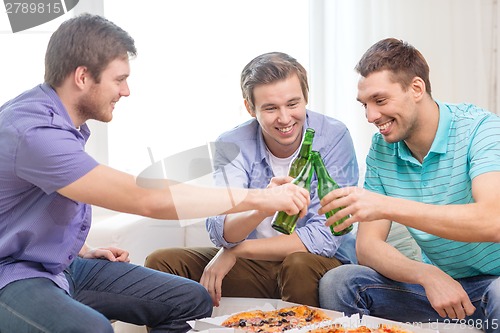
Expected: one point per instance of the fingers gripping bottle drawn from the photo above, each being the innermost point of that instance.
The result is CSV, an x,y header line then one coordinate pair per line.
x,y
325,185
283,222
301,159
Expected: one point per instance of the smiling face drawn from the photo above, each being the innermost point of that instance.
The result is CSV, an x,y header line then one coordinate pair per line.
x,y
280,109
98,102
389,107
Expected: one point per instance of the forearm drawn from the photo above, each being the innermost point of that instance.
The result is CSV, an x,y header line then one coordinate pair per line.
x,y
196,201
271,249
389,262
238,226
163,199
169,200
474,222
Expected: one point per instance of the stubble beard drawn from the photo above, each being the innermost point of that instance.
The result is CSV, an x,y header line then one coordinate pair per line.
x,y
88,108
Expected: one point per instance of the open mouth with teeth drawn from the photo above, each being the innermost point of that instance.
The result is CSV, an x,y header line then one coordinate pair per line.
x,y
384,127
285,129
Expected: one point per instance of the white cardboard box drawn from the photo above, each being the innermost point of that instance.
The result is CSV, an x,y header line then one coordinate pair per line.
x,y
231,305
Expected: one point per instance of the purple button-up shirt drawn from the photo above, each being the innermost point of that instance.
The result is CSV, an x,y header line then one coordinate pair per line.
x,y
41,152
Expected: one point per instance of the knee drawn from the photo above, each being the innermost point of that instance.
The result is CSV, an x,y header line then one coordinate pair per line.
x,y
335,277
493,293
341,280
205,304
297,262
100,324
200,303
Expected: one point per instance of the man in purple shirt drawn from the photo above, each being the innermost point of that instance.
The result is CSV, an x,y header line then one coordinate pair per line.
x,y
50,280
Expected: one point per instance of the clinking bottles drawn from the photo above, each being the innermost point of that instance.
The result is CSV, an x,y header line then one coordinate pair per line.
x,y
283,222
301,159
325,185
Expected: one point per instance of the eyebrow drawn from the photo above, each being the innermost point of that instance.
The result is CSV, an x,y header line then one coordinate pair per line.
x,y
371,97
295,99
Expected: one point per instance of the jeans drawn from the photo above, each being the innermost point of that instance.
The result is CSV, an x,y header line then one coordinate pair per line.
x,y
359,289
101,290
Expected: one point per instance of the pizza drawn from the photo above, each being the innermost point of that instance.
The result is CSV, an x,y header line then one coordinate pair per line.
x,y
280,320
362,329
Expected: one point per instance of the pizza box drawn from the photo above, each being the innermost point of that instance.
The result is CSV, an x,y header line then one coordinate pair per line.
x,y
232,305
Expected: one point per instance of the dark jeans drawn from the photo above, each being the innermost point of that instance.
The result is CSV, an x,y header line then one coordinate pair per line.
x,y
101,290
294,279
359,289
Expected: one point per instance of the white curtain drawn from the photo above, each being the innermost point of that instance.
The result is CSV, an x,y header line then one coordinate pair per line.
x,y
459,39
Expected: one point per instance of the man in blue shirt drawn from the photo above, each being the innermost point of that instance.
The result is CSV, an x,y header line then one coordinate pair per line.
x,y
50,280
251,258
434,167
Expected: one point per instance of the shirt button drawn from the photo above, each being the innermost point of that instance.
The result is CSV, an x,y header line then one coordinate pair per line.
x,y
70,257
83,228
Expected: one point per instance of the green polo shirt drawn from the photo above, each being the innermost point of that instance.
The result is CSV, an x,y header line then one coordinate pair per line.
x,y
467,144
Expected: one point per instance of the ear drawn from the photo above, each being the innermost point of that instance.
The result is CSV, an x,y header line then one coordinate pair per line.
x,y
249,109
81,77
418,88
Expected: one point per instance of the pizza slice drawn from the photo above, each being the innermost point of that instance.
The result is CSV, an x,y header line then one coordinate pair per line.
x,y
280,320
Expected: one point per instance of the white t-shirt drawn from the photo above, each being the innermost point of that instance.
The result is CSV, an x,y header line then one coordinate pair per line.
x,y
280,168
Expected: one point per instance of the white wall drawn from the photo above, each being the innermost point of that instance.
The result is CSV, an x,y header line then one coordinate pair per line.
x,y
185,81
459,39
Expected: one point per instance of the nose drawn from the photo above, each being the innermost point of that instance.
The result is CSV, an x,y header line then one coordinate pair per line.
x,y
125,90
371,114
284,116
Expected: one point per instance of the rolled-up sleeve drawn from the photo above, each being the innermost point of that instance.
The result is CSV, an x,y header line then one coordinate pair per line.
x,y
229,171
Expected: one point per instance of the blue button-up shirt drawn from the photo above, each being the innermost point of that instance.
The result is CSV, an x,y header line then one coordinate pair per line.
x,y
41,151
252,169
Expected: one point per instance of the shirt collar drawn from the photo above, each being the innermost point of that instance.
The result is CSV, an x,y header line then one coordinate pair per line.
x,y
440,142
62,112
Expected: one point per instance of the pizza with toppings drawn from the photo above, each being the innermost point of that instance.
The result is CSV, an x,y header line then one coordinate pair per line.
x,y
280,320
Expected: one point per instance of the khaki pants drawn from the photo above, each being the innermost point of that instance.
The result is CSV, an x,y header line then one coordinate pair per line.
x,y
294,279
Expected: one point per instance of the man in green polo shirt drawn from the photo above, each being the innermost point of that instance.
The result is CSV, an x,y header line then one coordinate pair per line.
x,y
435,168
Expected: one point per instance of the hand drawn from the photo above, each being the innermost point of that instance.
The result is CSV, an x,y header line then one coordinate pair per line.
x,y
215,271
446,295
281,195
109,253
361,204
277,181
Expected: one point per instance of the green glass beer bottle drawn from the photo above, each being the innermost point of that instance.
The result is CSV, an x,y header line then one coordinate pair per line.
x,y
301,159
325,185
283,222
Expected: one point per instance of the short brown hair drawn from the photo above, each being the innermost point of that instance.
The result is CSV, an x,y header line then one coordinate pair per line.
x,y
400,58
268,68
86,40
